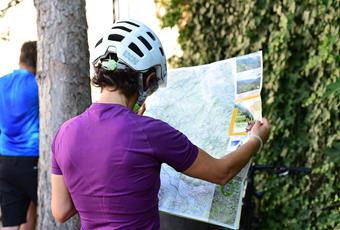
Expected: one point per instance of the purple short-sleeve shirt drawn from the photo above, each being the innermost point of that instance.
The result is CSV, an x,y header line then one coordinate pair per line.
x,y
111,158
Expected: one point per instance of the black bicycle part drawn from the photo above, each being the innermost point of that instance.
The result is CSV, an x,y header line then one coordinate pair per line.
x,y
250,219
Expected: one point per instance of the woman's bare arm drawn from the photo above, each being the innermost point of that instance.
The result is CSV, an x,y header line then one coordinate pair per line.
x,y
61,202
220,171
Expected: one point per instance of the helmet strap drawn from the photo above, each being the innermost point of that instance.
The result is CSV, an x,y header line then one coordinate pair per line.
x,y
142,94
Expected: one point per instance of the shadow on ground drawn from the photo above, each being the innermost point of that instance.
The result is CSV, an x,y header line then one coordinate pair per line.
x,y
170,222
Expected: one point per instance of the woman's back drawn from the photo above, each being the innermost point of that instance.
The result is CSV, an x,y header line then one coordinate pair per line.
x,y
110,159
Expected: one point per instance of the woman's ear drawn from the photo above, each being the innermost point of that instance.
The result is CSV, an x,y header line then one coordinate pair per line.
x,y
149,79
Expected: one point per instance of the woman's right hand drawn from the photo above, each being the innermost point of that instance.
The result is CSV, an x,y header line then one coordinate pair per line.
x,y
262,129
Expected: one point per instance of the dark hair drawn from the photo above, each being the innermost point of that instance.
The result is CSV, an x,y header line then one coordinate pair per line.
x,y
28,54
126,81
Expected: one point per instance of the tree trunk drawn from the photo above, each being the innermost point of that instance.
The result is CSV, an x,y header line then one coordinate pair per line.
x,y
64,89
115,9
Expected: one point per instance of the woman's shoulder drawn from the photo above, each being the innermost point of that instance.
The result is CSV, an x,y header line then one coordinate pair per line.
x,y
68,124
155,127
151,122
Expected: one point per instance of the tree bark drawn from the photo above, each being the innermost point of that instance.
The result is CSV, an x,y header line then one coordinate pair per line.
x,y
113,10
64,89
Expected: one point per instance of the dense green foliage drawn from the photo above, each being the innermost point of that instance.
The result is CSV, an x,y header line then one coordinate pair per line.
x,y
301,95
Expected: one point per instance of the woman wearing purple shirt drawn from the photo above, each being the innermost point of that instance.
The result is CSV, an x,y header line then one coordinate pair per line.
x,y
106,161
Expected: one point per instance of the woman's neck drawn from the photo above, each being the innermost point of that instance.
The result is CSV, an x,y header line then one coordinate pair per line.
x,y
116,97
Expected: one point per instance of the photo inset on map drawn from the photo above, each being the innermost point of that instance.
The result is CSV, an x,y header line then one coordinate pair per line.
x,y
241,121
248,81
235,142
248,62
246,111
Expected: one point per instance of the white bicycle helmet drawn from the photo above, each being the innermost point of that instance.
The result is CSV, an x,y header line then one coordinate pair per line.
x,y
137,47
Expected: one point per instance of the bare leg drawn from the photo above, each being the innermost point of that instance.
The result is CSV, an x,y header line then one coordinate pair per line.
x,y
10,228
31,218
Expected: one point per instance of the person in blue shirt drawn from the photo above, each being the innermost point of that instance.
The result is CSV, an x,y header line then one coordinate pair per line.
x,y
19,142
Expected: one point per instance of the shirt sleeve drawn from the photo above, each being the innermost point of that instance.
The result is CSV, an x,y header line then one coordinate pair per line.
x,y
170,145
55,169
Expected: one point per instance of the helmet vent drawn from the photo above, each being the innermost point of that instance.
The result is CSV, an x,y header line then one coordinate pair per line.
x,y
122,28
131,23
135,49
151,36
116,37
145,42
162,52
98,43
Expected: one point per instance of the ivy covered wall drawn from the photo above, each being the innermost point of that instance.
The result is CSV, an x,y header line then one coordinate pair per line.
x,y
301,47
